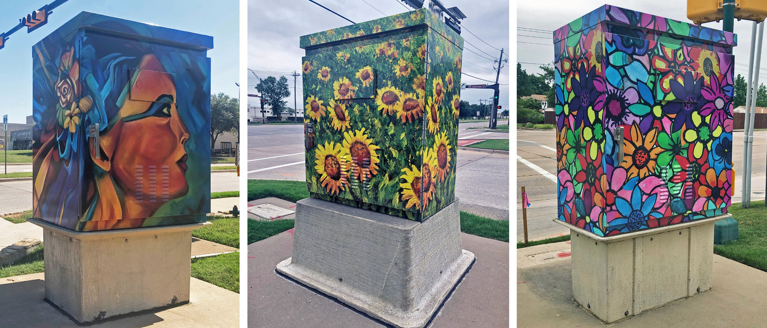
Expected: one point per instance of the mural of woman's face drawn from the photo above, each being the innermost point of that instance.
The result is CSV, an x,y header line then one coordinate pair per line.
x,y
149,158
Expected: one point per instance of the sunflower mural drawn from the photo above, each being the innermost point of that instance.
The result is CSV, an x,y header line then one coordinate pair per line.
x,y
139,84
385,133
669,87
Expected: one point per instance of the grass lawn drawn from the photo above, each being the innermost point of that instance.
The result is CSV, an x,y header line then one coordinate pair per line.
x,y
536,126
499,144
32,263
296,190
17,156
750,247
221,270
19,217
531,243
224,194
221,160
221,168
224,231
16,174
502,127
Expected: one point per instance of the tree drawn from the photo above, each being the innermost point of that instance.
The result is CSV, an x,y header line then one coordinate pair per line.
x,y
466,110
274,91
761,96
224,116
740,92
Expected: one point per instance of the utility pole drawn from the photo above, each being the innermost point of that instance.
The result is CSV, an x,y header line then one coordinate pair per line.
x,y
494,110
481,105
295,102
263,119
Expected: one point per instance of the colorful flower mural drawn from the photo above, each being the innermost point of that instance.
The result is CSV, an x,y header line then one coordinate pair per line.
x,y
151,101
385,133
669,85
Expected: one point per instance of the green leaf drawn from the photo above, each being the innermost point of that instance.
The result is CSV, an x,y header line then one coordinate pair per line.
x,y
664,158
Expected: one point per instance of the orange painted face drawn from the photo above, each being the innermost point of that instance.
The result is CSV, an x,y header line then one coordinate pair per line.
x,y
149,158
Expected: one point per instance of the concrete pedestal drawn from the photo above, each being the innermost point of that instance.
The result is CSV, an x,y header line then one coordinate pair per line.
x,y
618,277
97,275
395,270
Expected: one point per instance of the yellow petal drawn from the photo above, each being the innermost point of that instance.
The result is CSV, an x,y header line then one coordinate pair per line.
x,y
593,152
690,135
718,131
696,118
587,134
592,115
698,150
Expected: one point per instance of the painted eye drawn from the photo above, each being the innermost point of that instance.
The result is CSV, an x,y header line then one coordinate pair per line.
x,y
163,111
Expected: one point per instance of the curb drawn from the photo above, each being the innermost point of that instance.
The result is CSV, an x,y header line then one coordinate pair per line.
x,y
15,252
482,150
217,171
15,179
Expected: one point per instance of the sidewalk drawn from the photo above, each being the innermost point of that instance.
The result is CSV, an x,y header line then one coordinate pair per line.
x,y
545,298
280,203
22,304
481,299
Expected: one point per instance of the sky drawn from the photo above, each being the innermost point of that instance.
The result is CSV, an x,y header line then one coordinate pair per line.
x,y
219,19
274,29
561,12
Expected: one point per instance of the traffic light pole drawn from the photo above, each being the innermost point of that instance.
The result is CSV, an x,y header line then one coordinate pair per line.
x,y
494,111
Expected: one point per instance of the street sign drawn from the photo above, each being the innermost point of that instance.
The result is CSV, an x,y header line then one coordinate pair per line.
x,y
476,86
252,95
477,113
5,122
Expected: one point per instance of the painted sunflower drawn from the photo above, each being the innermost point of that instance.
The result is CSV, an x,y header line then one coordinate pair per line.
x,y
332,164
562,148
415,15
438,89
406,42
411,188
706,63
456,102
639,157
419,83
428,175
432,109
342,56
343,89
449,81
457,62
422,51
389,100
399,23
412,107
403,68
314,108
307,67
442,151
382,50
348,35
365,75
363,154
339,114
324,74
360,33
377,29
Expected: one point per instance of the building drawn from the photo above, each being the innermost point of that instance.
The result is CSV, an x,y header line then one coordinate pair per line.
x,y
542,98
23,133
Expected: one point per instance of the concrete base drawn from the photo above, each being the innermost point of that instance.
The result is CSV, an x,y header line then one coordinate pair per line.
x,y
392,269
97,275
618,277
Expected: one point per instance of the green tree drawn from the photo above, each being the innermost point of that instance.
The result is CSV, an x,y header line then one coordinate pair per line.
x,y
274,91
224,116
740,91
466,109
761,96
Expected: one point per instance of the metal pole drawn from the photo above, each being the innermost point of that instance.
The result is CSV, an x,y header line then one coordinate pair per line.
x,y
496,94
728,11
295,102
747,117
754,95
524,214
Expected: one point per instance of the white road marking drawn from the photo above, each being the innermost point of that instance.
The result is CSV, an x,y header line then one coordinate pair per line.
x,y
275,167
542,146
261,159
474,135
538,169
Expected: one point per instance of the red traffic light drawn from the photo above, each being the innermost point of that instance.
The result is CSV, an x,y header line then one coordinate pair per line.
x,y
36,19
499,106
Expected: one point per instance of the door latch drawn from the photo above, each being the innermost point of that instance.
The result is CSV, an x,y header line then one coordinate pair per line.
x,y
93,133
618,140
309,135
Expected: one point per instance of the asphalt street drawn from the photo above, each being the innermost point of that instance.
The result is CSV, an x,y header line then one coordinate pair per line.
x,y
16,196
276,152
537,169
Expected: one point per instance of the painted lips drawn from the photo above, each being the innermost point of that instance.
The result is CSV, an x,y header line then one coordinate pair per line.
x,y
182,162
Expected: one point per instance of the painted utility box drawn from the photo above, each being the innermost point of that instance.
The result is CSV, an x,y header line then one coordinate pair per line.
x,y
644,121
122,122
381,101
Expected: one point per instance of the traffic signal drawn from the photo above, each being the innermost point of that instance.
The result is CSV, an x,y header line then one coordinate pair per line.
x,y
499,106
36,19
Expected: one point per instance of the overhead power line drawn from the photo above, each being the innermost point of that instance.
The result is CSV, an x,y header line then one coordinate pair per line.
x,y
480,56
533,36
337,14
543,44
403,5
491,56
478,78
480,39
479,66
534,30
382,13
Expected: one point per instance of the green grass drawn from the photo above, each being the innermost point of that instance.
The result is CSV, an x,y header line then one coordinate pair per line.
x,y
536,126
296,190
288,190
16,174
260,230
286,123
504,127
221,168
221,160
499,144
17,156
521,244
750,247
225,231
31,263
19,217
221,270
224,194
484,227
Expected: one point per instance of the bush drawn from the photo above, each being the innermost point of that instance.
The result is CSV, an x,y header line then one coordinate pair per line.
x,y
527,115
271,119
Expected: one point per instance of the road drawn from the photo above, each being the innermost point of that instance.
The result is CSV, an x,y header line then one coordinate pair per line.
x,y
538,175
16,196
276,152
